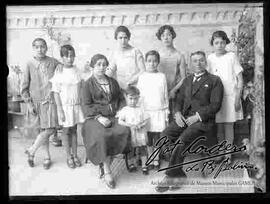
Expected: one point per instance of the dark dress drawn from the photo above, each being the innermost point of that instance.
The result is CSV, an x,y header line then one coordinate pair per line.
x,y
99,141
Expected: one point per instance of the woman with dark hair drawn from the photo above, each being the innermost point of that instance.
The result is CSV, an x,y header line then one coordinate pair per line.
x,y
126,61
172,62
102,135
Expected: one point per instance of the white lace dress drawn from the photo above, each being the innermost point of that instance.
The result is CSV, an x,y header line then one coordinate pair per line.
x,y
154,99
134,115
227,67
68,84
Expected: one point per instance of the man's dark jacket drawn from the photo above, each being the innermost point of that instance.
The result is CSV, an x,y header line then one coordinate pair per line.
x,y
204,96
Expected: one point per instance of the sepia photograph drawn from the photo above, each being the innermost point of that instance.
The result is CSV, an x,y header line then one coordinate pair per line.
x,y
135,99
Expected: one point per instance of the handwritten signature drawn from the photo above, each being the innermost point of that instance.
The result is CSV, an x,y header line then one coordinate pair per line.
x,y
164,146
211,166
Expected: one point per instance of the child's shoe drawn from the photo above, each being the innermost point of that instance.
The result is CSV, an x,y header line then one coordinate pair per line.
x,y
139,162
77,162
70,163
101,170
132,168
145,170
47,163
156,164
56,141
110,182
151,166
30,159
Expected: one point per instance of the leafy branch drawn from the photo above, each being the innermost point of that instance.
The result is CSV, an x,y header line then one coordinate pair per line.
x,y
57,36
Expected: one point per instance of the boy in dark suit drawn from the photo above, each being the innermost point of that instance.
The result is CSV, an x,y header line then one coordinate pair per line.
x,y
198,100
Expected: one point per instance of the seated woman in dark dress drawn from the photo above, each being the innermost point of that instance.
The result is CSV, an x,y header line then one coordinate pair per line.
x,y
102,135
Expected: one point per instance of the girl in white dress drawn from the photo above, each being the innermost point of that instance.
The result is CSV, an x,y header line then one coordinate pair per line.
x,y
134,117
154,98
226,65
66,85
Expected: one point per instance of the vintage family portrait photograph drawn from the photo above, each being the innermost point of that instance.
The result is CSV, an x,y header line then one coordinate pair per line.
x,y
135,99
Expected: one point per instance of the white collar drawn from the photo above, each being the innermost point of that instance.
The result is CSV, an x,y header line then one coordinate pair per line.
x,y
199,74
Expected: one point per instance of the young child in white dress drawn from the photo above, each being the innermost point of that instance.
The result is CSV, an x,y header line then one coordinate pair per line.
x,y
226,65
134,117
154,98
66,85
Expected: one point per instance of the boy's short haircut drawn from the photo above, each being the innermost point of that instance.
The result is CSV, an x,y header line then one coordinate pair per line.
x,y
219,34
153,52
198,53
97,57
132,91
65,49
39,39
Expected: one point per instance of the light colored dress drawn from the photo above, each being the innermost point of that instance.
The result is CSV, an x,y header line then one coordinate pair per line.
x,y
134,116
227,67
86,74
154,99
68,84
170,64
123,65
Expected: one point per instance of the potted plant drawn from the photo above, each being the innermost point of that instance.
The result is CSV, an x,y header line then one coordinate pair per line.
x,y
14,86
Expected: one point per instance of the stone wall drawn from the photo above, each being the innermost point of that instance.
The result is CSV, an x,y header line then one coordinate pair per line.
x,y
91,27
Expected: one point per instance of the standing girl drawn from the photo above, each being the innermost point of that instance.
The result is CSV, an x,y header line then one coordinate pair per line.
x,y
172,62
226,65
134,117
153,87
36,92
126,62
66,85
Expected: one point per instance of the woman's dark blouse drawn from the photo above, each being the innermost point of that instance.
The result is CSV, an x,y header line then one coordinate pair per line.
x,y
96,102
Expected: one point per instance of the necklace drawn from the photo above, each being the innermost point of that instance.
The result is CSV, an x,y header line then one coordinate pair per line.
x,y
103,83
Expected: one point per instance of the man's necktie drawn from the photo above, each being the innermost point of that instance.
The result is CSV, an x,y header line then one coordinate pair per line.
x,y
196,78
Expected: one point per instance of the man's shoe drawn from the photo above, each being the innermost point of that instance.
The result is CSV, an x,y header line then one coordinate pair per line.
x,y
175,188
177,183
164,185
162,189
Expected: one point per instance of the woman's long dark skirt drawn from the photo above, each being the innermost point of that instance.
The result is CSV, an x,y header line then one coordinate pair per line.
x,y
101,142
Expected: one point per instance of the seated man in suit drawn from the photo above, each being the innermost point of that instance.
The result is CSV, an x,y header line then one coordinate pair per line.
x,y
198,100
